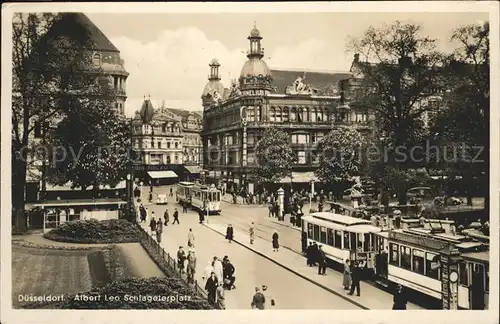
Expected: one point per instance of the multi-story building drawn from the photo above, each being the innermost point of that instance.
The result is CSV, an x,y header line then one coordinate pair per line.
x,y
168,141
104,55
304,103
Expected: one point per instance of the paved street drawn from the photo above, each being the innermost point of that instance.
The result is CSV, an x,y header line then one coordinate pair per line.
x,y
251,269
252,263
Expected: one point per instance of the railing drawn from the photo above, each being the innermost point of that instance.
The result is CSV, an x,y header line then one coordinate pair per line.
x,y
171,263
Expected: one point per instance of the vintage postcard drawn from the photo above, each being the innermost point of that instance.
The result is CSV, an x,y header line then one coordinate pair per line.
x,y
304,159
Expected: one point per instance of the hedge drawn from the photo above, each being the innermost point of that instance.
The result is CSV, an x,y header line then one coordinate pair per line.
x,y
93,231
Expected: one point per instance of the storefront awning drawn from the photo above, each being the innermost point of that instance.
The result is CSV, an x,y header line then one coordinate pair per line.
x,y
300,177
193,169
163,174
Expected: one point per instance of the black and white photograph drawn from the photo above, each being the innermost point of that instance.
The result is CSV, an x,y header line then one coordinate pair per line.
x,y
250,157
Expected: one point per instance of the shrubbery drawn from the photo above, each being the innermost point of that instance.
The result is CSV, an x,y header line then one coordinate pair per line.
x,y
133,293
94,231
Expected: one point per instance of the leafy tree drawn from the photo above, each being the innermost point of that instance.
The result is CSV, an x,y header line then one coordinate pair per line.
x,y
274,156
52,74
341,154
401,70
464,123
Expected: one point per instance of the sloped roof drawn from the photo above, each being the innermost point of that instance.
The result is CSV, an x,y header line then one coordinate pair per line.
x,y
320,80
184,113
74,25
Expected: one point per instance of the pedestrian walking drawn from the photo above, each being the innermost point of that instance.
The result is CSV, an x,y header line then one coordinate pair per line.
x,y
152,225
143,213
171,194
147,215
184,208
309,254
207,271
229,233
190,238
221,299
271,210
219,270
159,230
176,217
321,261
275,240
229,277
399,299
191,266
181,257
355,277
166,216
258,300
150,197
201,215
315,252
347,275
252,233
211,287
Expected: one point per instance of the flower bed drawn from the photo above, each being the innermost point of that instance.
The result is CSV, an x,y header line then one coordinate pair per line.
x,y
27,244
94,231
134,293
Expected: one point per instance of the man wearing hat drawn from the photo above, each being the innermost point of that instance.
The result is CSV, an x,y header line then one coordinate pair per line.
x,y
181,257
321,261
191,266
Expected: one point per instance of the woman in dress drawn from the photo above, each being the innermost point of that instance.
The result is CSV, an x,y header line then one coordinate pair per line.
x,y
347,275
276,244
159,230
211,288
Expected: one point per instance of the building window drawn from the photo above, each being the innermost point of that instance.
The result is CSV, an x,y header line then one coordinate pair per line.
x,y
300,113
432,265
159,144
347,246
152,144
313,114
163,128
250,139
309,230
302,157
405,257
418,263
96,59
272,114
394,254
278,115
176,145
293,115
168,144
300,138
286,115
176,158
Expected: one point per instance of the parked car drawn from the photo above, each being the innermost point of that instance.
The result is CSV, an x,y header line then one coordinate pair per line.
x,y
162,199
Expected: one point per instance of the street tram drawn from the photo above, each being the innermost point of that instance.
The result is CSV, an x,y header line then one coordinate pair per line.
x,y
412,258
343,237
183,192
202,195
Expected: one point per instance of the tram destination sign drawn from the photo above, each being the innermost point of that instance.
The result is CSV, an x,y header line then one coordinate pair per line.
x,y
420,241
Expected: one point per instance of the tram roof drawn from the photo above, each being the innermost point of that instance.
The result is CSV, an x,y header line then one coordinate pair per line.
x,y
355,228
477,256
186,183
340,219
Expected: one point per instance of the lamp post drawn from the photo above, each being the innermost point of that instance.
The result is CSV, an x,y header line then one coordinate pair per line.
x,y
311,195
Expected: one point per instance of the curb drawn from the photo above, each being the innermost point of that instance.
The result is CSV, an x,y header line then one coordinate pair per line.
x,y
296,273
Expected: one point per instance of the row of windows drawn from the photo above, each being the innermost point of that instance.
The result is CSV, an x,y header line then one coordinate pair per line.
x,y
158,158
424,263
278,114
151,144
339,239
165,128
469,271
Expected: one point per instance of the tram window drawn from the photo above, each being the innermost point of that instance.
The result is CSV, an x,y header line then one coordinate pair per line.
x,y
431,265
394,254
310,230
218,196
353,241
463,272
316,233
337,242
347,246
329,237
366,243
360,241
418,261
405,257
322,235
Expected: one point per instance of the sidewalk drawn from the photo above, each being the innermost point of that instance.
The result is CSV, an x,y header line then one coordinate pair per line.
x,y
371,297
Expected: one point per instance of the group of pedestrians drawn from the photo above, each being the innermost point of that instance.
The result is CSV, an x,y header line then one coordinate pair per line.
x,y
316,256
187,263
218,276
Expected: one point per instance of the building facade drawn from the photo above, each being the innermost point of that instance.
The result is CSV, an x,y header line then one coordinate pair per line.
x,y
168,139
306,104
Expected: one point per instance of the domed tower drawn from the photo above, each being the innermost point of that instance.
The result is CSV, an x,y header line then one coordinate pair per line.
x,y
214,89
255,74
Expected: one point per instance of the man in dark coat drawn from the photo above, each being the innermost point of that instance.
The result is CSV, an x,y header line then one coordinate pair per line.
x,y
229,233
181,257
399,299
176,217
211,287
356,277
258,300
321,261
314,253
309,254
143,213
228,270
201,215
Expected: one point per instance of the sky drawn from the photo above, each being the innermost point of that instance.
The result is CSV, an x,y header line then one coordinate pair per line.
x,y
167,55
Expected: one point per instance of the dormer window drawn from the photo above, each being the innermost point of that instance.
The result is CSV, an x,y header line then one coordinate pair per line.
x,y
96,59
